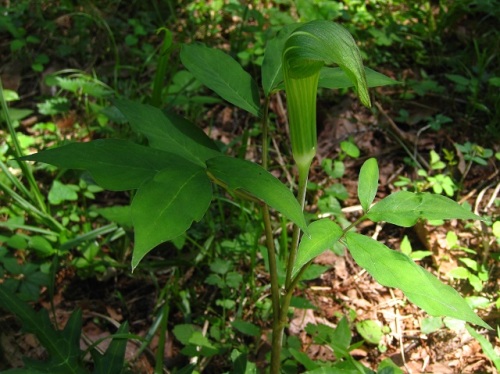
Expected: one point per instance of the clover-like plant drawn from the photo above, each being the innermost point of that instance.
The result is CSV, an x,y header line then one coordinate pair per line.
x,y
174,175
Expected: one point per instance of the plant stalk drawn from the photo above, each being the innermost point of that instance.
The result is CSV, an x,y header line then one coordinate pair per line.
x,y
281,321
35,194
301,198
278,326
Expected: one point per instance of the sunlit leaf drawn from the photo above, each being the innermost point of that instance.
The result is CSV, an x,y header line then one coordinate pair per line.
x,y
368,183
222,74
244,175
166,206
405,208
323,234
168,132
116,165
336,78
395,269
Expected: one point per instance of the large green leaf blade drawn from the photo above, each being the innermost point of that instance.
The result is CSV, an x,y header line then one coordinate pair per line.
x,y
323,234
168,132
399,208
116,165
368,183
395,269
441,207
335,77
222,74
244,175
166,206
405,208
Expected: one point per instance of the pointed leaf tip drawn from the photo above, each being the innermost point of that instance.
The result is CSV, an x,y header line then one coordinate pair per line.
x,y
395,269
404,208
166,206
222,74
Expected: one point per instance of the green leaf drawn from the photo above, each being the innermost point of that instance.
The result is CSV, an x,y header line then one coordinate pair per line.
x,y
10,95
368,183
323,234
387,366
222,74
334,78
60,192
241,364
496,229
168,132
17,114
330,77
17,241
166,206
116,165
41,245
272,72
323,42
350,148
246,328
313,271
405,208
428,325
62,346
239,174
341,338
458,79
221,266
200,340
121,214
399,208
395,269
487,347
184,332
370,330
303,359
435,207
459,273
114,358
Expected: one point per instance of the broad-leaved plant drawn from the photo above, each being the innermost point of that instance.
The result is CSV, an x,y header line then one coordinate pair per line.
x,y
175,173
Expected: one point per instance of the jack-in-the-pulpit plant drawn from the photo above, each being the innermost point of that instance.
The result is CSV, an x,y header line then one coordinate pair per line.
x,y
306,51
174,175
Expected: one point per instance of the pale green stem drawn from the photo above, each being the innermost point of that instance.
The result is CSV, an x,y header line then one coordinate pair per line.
x,y
301,198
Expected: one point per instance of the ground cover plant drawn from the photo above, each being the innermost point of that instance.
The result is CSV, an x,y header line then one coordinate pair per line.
x,y
180,162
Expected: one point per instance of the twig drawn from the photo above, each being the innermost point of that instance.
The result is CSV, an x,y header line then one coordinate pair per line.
x,y
474,191
399,332
401,138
